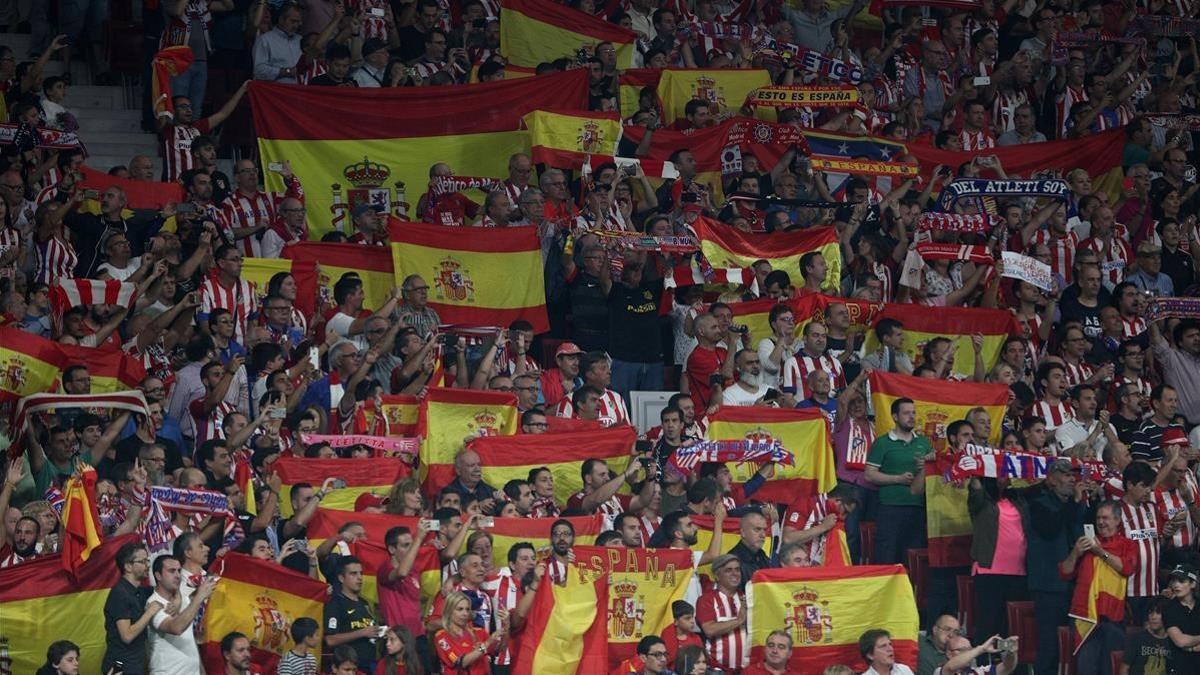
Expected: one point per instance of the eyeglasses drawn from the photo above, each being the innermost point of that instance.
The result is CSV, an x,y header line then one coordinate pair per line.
x,y
657,655
234,259
246,169
525,388
601,187
139,561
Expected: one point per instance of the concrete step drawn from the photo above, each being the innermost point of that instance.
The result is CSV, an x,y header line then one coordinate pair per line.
x,y
106,162
83,97
97,121
97,146
18,42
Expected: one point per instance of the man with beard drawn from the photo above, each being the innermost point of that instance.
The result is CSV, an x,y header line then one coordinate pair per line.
x,y
672,437
677,531
28,530
559,383
562,540
172,642
749,388
513,591
93,328
90,230
127,613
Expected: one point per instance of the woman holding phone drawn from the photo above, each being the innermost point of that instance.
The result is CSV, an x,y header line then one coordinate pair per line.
x,y
463,648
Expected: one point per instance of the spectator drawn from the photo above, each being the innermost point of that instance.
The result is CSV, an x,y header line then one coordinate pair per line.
x,y
62,658
893,464
127,613
876,649
721,613
777,653
349,619
173,648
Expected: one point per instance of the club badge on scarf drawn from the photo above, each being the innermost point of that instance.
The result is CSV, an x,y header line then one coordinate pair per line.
x,y
687,458
1173,308
957,222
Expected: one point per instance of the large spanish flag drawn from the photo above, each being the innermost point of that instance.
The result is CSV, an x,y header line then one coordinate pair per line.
x,y
507,457
372,264
947,521
756,314
725,246
730,536
826,609
260,599
725,88
642,584
139,194
450,418
938,403
111,369
565,630
535,31
401,412
1099,593
630,84
28,364
804,433
260,270
358,144
40,603
509,531
376,475
81,522
373,553
564,138
922,324
490,278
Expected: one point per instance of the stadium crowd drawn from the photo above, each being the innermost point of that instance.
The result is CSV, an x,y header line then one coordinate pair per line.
x,y
1103,375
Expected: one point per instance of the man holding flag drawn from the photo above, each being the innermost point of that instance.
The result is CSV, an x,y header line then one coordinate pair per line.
x,y
1100,566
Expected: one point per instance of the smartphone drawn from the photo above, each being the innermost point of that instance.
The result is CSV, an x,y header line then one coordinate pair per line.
x,y
1089,531
277,167
277,413
338,483
1004,644
314,356
91,194
983,81
302,544
118,667
375,11
487,521
432,525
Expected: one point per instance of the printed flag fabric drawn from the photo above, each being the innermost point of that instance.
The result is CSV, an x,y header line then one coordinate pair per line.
x,y
491,278
507,457
565,631
563,139
947,521
725,88
68,293
630,84
111,369
837,547
401,412
373,554
168,63
826,609
534,31
133,401
938,403
259,271
139,194
450,418
642,584
804,433
260,599
372,264
375,475
1099,593
384,140
756,314
922,324
725,246
41,603
28,364
730,536
81,522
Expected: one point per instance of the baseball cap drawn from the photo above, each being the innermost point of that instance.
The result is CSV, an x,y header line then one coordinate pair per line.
x,y
1185,572
372,45
1062,466
369,500
363,207
723,560
566,349
1173,436
1148,248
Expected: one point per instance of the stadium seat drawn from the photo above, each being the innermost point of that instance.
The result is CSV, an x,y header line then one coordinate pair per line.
x,y
866,535
549,346
966,600
918,574
1021,622
1066,657
1116,661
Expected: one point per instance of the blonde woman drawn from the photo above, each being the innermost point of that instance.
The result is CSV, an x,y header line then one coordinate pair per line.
x,y
463,648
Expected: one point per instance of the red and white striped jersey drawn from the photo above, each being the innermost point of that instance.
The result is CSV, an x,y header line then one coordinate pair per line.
x,y
1077,373
176,147
612,409
732,650
976,140
179,29
797,368
1133,327
506,593
1114,261
257,210
556,570
1142,528
609,509
1004,109
648,526
1062,250
56,260
513,192
10,238
46,194
1054,414
208,425
9,557
808,512
1143,385
372,26
241,301
1063,104
1171,502
508,362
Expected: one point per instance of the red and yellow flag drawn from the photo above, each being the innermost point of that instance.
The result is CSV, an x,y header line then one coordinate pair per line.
x,y
377,145
725,246
260,270
372,264
168,63
376,475
508,531
40,602
565,630
1099,593
947,521
756,314
491,278
374,554
111,369
139,194
922,324
535,31
804,433
938,403
730,536
452,417
507,457
630,84
563,138
260,599
28,364
642,584
401,411
81,520
724,88
826,609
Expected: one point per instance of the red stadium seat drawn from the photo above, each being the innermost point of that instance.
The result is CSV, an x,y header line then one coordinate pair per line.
x,y
1066,648
549,346
918,574
1116,661
966,600
1021,623
866,535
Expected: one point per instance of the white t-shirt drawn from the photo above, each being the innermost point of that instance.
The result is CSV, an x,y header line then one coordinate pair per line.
x,y
171,654
734,394
340,324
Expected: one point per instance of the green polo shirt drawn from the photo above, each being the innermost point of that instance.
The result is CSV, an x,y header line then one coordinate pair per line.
x,y
895,456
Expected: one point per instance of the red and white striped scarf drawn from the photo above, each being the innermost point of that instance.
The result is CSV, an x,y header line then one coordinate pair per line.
x,y
133,401
976,254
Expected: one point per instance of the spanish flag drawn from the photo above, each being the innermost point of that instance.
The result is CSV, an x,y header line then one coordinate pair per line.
x,y
826,609
630,84
804,433
725,246
376,474
564,139
730,536
372,264
111,369
534,31
28,364
642,584
260,270
452,417
565,630
922,324
166,64
428,566
507,457
947,521
1099,593
756,314
509,531
139,194
377,145
81,521
401,412
938,403
491,278
837,547
40,602
725,88
260,599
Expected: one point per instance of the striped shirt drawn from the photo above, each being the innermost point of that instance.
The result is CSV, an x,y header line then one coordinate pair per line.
x,y
179,29
1063,104
1171,502
1133,327
208,425
732,650
176,147
1113,262
1141,527
56,260
609,509
976,140
1054,414
257,210
612,411
1062,251
506,593
797,368
806,513
241,301
1077,373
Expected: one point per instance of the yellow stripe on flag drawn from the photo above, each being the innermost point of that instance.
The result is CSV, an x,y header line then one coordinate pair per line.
x,y
726,88
938,403
451,417
534,31
564,139
804,433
